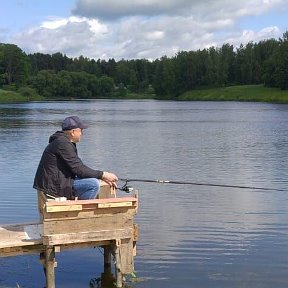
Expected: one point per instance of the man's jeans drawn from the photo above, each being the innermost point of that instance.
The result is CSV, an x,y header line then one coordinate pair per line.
x,y
86,188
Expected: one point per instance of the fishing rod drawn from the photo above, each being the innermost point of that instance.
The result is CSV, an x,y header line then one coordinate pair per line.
x,y
128,188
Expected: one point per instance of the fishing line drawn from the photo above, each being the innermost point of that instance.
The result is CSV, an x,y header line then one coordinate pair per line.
x,y
128,189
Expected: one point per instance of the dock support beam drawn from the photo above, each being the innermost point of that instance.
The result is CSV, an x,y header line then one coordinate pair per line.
x,y
107,257
118,272
107,277
49,266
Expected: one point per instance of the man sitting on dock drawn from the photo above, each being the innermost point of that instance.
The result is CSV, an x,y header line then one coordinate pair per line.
x,y
61,173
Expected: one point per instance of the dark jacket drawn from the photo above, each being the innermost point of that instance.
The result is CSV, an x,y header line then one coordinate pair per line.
x,y
58,167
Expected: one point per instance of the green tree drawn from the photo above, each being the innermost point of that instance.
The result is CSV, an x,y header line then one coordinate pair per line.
x,y
212,66
40,62
226,69
122,73
133,81
276,66
15,65
93,85
80,83
106,86
164,83
282,63
140,66
59,61
186,71
65,87
46,83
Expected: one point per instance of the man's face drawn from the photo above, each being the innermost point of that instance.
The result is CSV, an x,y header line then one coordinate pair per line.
x,y
76,135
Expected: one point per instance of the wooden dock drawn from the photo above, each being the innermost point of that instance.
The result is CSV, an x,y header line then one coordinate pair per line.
x,y
107,222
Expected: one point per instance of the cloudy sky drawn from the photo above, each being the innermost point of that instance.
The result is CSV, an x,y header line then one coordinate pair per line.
x,y
133,29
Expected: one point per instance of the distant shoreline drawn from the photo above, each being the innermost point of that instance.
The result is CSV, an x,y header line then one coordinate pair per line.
x,y
245,93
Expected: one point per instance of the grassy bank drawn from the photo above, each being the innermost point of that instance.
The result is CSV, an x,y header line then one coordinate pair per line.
x,y
248,93
25,95
139,96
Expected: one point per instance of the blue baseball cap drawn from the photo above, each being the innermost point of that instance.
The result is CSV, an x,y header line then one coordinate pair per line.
x,y
73,122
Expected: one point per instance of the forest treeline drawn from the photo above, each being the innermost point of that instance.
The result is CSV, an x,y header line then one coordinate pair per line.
x,y
58,76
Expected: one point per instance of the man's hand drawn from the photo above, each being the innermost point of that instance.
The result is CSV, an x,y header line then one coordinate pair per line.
x,y
110,178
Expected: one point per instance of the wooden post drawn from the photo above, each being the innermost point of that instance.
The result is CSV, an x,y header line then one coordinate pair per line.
x,y
49,266
118,272
107,257
107,278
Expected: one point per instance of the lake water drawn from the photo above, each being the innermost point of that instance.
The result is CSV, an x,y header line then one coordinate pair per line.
x,y
189,236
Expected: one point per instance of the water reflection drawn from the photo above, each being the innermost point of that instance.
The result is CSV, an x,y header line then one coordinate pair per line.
x,y
189,236
106,280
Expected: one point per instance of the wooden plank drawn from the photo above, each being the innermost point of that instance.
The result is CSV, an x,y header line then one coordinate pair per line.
x,y
60,208
24,250
81,205
126,256
41,204
20,235
90,208
85,245
95,222
38,248
112,205
21,243
88,213
91,201
83,237
106,191
78,207
135,232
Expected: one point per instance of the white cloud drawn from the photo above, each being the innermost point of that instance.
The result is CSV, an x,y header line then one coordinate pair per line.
x,y
113,9
54,24
72,36
161,27
246,36
155,35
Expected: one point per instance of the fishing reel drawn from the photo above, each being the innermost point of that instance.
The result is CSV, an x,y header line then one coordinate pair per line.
x,y
126,188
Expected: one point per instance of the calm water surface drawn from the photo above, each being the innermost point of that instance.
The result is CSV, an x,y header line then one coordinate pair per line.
x,y
189,236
